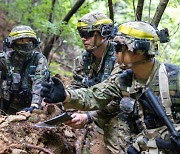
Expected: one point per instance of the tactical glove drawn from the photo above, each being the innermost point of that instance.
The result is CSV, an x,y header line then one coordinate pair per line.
x,y
53,92
132,150
172,145
30,109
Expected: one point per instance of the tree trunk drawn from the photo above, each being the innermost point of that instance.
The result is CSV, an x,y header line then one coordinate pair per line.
x,y
139,10
111,13
52,9
76,6
49,43
159,12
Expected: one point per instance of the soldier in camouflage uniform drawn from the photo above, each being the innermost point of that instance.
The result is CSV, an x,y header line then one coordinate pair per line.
x,y
22,71
94,66
137,45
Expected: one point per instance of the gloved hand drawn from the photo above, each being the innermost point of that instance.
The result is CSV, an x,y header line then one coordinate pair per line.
x,y
132,150
172,145
30,109
53,92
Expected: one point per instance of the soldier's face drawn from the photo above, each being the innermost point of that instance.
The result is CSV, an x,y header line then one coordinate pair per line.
x,y
23,46
91,39
127,58
124,56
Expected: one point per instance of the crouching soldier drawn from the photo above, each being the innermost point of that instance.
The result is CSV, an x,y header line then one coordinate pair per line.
x,y
22,71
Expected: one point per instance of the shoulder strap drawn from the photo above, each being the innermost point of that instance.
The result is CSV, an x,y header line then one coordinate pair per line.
x,y
164,90
86,57
35,58
108,63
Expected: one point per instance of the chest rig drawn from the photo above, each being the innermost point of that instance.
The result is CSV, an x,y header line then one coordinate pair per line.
x,y
104,69
19,78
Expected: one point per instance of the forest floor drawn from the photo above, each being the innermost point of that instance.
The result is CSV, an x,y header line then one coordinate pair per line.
x,y
19,135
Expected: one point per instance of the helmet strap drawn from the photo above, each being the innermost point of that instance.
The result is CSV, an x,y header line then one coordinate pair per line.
x,y
95,46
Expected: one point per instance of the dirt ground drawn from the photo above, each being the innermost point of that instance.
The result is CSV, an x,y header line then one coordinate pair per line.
x,y
19,135
98,146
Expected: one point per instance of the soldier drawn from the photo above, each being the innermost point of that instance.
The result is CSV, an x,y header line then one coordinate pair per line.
x,y
22,71
96,64
137,45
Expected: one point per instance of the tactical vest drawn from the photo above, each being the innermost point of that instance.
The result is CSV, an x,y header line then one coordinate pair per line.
x,y
105,70
143,114
19,83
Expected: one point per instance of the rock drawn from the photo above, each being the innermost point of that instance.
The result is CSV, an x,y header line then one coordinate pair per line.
x,y
18,151
14,118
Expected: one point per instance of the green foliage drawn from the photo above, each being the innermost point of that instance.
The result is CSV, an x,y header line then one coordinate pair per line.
x,y
55,68
36,13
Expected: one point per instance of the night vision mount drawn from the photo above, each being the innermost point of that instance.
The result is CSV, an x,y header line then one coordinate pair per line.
x,y
163,35
109,31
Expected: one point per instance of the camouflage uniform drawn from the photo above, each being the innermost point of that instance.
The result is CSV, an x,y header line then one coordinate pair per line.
x,y
121,86
22,73
116,87
88,73
85,68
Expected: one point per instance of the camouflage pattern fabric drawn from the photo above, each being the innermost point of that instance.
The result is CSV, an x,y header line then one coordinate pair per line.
x,y
105,118
93,21
98,96
22,31
94,71
29,85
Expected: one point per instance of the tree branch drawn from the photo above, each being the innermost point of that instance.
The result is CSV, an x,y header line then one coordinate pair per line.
x,y
73,10
159,12
31,147
49,44
111,13
139,10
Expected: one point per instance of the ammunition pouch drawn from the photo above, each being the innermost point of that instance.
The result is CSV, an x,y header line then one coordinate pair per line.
x,y
127,104
15,83
152,122
25,97
133,117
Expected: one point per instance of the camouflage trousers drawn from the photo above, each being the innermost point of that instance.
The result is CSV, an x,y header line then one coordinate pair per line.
x,y
145,142
116,136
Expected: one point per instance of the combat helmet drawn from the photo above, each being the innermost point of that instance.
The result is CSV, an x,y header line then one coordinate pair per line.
x,y
138,36
96,21
19,32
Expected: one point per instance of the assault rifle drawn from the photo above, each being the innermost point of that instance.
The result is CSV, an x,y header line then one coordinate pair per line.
x,y
174,145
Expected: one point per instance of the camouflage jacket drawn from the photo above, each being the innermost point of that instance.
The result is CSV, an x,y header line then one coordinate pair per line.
x,y
84,66
124,85
22,76
87,73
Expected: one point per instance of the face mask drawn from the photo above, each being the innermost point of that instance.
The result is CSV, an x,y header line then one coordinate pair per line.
x,y
24,49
